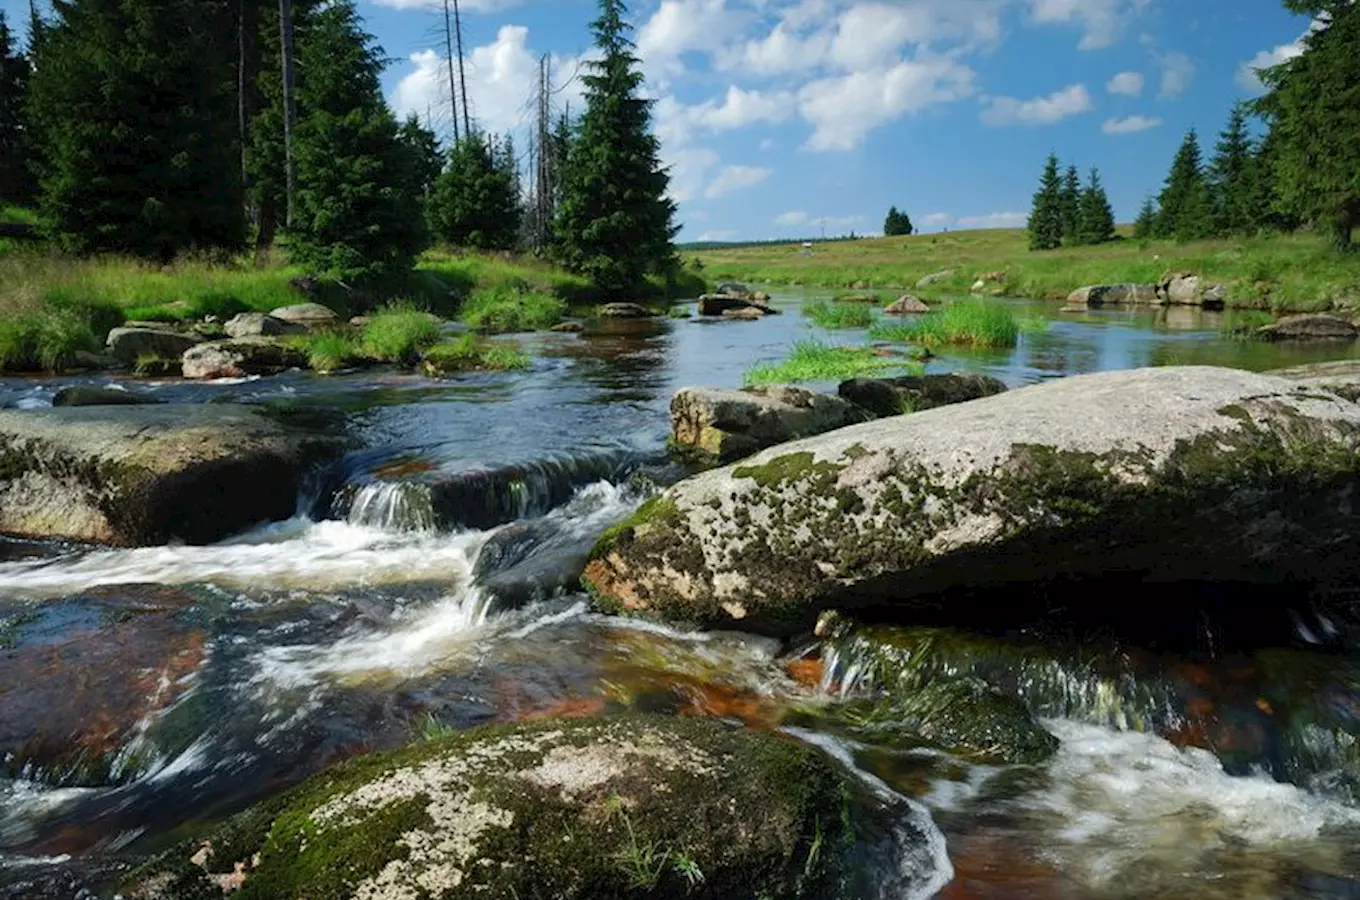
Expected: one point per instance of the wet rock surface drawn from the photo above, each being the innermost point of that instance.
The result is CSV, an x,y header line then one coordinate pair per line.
x,y
141,475
917,393
1176,473
1317,327
101,396
727,425
128,344
240,359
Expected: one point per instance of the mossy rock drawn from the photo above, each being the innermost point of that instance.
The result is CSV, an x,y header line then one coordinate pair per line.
x,y
612,808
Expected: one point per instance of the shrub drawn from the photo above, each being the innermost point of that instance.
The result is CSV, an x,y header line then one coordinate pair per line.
x,y
968,323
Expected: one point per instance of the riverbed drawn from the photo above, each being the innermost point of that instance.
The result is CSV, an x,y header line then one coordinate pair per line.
x,y
372,618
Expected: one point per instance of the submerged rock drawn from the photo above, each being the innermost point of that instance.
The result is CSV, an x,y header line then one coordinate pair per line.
x,y
625,311
1190,473
721,304
613,808
1315,327
917,393
101,396
127,344
241,358
143,475
727,425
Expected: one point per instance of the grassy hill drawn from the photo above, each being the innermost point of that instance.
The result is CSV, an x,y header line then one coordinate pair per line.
x,y
1277,272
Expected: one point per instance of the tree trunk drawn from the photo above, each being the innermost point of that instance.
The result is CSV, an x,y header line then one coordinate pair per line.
x,y
289,109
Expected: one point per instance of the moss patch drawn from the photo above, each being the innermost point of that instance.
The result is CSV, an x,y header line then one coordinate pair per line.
x,y
786,469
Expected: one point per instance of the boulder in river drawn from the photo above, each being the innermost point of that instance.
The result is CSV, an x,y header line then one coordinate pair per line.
x,y
717,304
143,475
748,313
1100,295
906,305
917,393
127,344
1188,473
249,325
241,358
309,315
625,311
573,810
725,425
1184,289
1313,327
86,395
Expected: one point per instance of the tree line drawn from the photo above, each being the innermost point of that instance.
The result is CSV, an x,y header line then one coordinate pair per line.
x,y
1303,171
153,128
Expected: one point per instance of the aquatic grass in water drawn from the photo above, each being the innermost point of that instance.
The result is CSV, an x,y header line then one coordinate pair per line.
x,y
838,314
965,323
397,333
501,310
815,361
328,351
468,353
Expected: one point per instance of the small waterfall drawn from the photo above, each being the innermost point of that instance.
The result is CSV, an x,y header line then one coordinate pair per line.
x,y
393,506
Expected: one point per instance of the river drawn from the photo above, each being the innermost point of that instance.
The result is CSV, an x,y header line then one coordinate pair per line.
x,y
394,606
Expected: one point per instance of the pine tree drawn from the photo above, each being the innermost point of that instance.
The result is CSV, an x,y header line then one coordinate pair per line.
x,y
1231,177
1070,203
356,212
1045,220
897,224
424,157
16,184
1313,106
615,223
474,202
1145,226
1097,217
1186,213
133,116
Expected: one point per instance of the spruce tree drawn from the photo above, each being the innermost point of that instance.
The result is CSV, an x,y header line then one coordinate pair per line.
x,y
1045,219
1097,217
897,223
133,113
1070,202
1313,107
474,202
1186,213
614,223
1145,226
357,212
424,157
15,177
1231,178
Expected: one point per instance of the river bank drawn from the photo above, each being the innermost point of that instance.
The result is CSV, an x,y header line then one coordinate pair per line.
x,y
1275,273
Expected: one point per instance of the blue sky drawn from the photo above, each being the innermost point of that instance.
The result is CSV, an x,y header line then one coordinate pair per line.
x,y
780,116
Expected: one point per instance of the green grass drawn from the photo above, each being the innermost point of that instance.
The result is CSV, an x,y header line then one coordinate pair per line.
x,y
470,353
963,323
329,351
1282,273
398,333
19,214
815,361
838,315
502,310
45,340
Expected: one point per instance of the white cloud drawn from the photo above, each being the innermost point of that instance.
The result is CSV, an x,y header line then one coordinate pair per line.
x,y
1178,72
994,220
1248,79
1102,21
1129,84
686,26
780,52
936,220
1070,101
736,178
719,234
1130,124
791,219
844,109
688,170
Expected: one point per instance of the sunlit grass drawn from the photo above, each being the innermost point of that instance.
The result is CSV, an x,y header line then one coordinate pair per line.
x,y
501,310
964,323
815,361
398,333
470,353
838,315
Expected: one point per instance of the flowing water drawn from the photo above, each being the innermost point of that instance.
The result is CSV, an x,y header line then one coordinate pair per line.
x,y
420,588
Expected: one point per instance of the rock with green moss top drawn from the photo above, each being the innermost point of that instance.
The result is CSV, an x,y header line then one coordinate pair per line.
x,y
1339,377
726,425
1191,473
613,808
144,475
917,393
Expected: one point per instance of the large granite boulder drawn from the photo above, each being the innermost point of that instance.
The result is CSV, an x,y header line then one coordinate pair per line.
x,y
1190,473
906,305
1313,327
917,393
1183,289
575,810
143,475
241,358
725,425
250,325
1099,295
308,315
128,344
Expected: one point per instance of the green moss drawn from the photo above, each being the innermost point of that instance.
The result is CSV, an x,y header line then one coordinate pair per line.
x,y
658,510
785,469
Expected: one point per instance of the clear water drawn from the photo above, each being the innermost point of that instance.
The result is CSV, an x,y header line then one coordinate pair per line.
x,y
368,619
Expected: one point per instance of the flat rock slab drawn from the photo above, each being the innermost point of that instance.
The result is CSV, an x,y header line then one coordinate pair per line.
x,y
1190,473
144,475
725,425
1314,327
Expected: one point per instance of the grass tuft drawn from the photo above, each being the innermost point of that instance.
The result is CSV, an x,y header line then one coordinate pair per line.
x,y
328,351
964,323
815,361
398,333
502,310
470,354
838,315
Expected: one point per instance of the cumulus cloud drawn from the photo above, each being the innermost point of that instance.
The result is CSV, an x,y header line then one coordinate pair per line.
x,y
1102,21
1072,100
994,220
1178,73
736,178
1129,84
1248,78
791,219
475,6
844,109
689,168
1130,124
936,220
